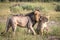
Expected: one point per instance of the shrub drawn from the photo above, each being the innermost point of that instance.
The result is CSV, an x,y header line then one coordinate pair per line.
x,y
16,9
57,8
31,7
27,7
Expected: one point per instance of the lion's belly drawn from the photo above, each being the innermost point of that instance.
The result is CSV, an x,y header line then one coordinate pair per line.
x,y
22,21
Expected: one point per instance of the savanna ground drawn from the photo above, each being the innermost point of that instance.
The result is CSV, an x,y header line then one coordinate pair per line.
x,y
25,7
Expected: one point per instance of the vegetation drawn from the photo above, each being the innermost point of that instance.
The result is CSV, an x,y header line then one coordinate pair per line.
x,y
57,8
27,7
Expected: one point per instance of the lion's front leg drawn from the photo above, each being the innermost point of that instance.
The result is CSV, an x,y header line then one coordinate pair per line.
x,y
30,26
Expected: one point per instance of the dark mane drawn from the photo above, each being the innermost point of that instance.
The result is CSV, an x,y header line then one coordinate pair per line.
x,y
31,15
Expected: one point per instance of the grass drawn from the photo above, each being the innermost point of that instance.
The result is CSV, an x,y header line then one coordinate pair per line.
x,y
21,34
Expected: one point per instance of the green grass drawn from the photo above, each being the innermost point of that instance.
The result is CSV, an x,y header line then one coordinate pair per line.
x,y
21,34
